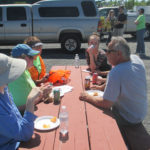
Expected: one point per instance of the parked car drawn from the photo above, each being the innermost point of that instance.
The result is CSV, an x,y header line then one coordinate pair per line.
x,y
57,21
130,27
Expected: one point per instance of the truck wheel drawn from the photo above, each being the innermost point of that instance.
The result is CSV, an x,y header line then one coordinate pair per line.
x,y
147,33
70,43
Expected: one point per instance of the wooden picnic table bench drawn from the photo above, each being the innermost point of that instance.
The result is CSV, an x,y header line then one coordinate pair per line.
x,y
90,128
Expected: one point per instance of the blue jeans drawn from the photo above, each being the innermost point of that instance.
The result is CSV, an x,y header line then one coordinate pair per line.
x,y
109,38
140,41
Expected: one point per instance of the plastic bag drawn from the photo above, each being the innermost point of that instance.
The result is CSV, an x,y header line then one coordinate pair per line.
x,y
59,76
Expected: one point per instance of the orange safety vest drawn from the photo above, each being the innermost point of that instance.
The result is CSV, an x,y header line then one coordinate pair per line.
x,y
35,75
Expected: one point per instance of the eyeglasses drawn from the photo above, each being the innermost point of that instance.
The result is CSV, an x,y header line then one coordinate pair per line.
x,y
109,51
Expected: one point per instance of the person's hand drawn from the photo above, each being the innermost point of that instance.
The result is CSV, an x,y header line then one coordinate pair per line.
x,y
90,49
95,87
98,87
47,75
45,78
34,94
84,96
45,89
100,80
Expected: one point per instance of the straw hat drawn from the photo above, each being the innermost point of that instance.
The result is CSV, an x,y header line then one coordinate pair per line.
x,y
10,69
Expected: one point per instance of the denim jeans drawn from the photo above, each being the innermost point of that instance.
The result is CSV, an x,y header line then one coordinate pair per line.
x,y
140,41
109,37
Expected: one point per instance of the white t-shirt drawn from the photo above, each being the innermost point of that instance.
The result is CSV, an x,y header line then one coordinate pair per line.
x,y
126,87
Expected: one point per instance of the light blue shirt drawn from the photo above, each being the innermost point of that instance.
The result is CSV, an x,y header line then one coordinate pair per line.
x,y
126,87
13,127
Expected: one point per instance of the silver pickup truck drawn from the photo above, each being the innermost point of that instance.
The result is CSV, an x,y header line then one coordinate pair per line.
x,y
69,22
130,27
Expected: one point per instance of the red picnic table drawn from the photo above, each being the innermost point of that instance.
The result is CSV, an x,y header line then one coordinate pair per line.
x,y
90,128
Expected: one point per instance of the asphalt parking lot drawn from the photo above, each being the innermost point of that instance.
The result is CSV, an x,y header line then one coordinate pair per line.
x,y
54,55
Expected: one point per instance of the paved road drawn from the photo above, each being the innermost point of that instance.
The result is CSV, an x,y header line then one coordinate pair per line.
x,y
53,55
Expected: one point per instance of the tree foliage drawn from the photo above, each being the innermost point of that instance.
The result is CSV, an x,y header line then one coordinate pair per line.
x,y
129,4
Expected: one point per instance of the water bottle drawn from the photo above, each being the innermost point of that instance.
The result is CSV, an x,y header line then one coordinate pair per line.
x,y
63,116
76,61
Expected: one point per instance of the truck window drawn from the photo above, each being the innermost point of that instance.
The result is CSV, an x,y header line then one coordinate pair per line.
x,y
58,12
16,13
0,14
103,12
88,8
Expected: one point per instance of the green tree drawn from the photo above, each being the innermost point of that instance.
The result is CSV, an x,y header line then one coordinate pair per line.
x,y
148,3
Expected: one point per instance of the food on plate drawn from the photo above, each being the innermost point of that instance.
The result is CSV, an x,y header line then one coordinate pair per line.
x,y
95,94
53,119
46,125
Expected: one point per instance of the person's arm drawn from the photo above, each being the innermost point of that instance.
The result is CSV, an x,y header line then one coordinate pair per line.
x,y
124,20
137,20
17,129
101,80
102,73
97,101
43,80
99,87
32,97
91,61
13,125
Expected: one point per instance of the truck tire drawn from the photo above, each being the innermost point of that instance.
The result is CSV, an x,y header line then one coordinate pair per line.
x,y
70,43
133,34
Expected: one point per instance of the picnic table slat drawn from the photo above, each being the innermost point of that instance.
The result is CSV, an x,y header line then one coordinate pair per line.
x,y
48,136
103,130
78,138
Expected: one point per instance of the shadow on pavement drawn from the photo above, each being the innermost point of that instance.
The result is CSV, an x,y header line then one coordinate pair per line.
x,y
6,51
61,54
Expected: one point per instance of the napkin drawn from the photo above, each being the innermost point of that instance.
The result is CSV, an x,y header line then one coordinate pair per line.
x,y
64,88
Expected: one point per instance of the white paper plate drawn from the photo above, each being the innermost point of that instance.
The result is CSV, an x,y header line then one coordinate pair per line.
x,y
84,70
46,121
95,93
